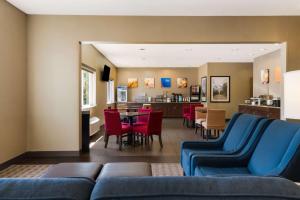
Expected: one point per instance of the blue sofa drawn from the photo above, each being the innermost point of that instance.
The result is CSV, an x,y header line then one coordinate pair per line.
x,y
154,188
276,154
46,189
235,137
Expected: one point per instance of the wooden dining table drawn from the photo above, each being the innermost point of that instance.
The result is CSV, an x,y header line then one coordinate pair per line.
x,y
131,116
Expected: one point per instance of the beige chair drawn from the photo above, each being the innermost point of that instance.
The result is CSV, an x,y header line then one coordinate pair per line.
x,y
200,117
215,120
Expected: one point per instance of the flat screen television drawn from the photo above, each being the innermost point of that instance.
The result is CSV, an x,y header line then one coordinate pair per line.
x,y
105,73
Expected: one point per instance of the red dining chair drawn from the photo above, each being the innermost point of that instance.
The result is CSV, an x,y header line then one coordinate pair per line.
x,y
111,110
190,117
143,119
153,127
185,112
113,126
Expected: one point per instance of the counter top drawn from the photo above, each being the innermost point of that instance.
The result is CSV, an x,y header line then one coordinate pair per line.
x,y
262,106
154,102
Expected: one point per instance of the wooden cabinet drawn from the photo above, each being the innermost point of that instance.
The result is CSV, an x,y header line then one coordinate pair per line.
x,y
264,111
170,110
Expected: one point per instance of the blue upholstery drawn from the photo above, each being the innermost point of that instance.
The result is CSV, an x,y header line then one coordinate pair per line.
x,y
276,154
235,137
46,189
272,148
243,156
240,132
211,171
192,188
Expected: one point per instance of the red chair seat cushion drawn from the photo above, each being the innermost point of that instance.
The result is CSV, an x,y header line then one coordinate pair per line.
x,y
126,128
140,129
140,123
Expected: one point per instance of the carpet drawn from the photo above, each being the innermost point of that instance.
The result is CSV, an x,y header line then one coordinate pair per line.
x,y
36,171
24,171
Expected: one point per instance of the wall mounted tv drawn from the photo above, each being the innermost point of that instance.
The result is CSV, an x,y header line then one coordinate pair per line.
x,y
105,73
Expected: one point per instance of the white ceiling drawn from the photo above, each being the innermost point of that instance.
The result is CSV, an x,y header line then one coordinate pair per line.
x,y
160,7
180,55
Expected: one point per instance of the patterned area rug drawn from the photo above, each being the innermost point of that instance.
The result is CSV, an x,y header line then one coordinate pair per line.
x,y
24,171
166,169
36,171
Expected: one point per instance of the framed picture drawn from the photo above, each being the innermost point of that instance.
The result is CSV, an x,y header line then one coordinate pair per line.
x,y
265,76
182,82
220,89
149,82
204,89
165,82
132,83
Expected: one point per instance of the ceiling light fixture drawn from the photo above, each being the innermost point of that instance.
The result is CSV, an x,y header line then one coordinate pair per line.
x,y
142,49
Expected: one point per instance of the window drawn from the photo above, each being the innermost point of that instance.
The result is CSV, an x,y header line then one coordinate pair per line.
x,y
88,88
110,95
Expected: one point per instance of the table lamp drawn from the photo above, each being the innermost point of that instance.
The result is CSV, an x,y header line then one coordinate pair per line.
x,y
292,95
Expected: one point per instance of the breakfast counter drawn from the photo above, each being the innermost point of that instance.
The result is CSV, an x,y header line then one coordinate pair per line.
x,y
170,109
261,110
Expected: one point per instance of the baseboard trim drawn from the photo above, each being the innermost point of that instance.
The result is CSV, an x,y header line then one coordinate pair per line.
x,y
11,161
35,154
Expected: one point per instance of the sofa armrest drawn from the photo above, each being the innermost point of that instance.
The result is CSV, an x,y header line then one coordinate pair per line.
x,y
217,161
201,144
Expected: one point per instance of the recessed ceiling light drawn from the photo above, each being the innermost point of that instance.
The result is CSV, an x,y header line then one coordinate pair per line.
x,y
142,49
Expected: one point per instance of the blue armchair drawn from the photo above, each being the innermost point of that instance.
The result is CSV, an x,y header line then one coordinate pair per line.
x,y
235,137
276,154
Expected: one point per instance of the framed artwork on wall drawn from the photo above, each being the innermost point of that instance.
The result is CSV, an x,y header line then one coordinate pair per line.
x,y
220,89
265,76
182,82
132,83
165,82
204,89
149,83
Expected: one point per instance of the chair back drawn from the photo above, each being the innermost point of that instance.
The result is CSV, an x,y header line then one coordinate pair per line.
x,y
143,118
154,126
200,112
111,110
192,109
240,132
113,124
276,150
215,118
185,109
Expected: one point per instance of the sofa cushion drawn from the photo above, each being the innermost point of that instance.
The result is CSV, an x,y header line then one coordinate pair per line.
x,y
240,132
186,156
125,169
194,188
46,189
74,170
272,147
214,171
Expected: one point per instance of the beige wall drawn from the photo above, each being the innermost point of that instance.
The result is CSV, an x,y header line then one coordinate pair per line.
x,y
157,73
93,58
269,61
53,58
12,82
241,84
